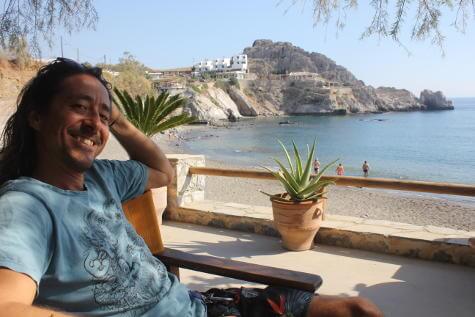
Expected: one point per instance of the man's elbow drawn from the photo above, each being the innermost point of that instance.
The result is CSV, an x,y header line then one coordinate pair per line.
x,y
160,178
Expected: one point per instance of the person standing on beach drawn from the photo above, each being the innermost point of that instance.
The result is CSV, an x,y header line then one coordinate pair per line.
x,y
66,248
365,168
316,165
340,170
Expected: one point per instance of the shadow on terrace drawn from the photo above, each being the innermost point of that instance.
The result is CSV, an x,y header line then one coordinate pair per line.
x,y
401,286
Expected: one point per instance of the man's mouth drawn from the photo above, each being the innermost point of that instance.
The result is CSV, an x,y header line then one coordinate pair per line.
x,y
86,141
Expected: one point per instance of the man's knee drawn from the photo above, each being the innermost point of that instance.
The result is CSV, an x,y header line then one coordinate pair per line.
x,y
322,306
363,307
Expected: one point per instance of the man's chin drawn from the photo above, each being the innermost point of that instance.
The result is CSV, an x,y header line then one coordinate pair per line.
x,y
81,165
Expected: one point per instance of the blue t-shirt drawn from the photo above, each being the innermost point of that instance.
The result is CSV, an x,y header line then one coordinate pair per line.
x,y
80,250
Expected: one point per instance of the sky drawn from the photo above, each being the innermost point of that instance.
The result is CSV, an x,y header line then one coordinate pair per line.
x,y
168,34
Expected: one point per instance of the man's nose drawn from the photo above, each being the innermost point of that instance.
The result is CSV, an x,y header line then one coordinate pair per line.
x,y
93,120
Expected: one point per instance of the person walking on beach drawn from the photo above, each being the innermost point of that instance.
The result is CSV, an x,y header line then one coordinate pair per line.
x,y
340,170
316,165
365,168
66,248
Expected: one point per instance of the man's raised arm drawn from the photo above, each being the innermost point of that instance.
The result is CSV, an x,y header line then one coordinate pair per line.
x,y
142,149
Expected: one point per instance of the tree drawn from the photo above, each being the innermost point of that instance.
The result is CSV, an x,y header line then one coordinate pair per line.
x,y
131,76
39,19
390,16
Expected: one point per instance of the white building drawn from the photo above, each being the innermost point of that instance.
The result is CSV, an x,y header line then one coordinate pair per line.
x,y
237,63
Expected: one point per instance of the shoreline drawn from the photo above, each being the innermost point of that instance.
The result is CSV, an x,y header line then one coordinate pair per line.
x,y
425,209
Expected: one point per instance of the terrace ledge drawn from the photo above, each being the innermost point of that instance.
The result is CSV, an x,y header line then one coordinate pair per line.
x,y
186,203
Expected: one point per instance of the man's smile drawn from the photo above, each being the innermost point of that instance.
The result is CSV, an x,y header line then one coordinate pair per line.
x,y
88,142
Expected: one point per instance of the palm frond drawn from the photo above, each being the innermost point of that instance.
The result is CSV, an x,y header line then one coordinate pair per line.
x,y
151,114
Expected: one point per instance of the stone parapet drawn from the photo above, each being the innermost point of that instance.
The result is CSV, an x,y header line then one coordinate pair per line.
x,y
423,242
185,188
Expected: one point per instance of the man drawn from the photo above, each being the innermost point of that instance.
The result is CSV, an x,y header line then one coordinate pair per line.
x,y
64,242
316,165
365,168
340,170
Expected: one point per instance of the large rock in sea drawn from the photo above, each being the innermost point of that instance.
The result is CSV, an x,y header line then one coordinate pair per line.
x,y
435,100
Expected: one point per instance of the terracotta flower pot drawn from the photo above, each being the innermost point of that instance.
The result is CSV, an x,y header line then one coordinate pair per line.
x,y
297,222
159,196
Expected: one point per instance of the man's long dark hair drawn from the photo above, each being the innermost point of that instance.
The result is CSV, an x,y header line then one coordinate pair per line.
x,y
18,149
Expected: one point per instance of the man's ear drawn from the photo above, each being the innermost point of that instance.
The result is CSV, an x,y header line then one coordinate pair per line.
x,y
34,120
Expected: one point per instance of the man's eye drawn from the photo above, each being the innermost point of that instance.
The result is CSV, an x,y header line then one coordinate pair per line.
x,y
104,118
80,107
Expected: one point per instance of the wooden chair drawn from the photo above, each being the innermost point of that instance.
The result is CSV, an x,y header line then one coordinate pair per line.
x,y
141,213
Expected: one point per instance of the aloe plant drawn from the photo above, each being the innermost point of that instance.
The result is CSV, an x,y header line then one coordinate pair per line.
x,y
150,114
297,179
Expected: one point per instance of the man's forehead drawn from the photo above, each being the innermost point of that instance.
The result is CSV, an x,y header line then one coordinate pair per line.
x,y
85,87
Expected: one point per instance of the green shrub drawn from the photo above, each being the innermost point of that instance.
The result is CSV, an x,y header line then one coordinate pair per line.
x,y
233,81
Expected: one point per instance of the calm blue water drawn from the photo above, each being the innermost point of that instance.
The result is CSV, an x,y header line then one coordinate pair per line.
x,y
432,146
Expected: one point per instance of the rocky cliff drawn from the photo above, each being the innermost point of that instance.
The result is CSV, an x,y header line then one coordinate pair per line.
x,y
435,100
290,80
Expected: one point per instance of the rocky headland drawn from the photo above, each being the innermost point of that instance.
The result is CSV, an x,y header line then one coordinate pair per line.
x,y
286,80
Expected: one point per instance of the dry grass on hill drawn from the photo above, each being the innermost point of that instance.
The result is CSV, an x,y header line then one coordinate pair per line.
x,y
12,78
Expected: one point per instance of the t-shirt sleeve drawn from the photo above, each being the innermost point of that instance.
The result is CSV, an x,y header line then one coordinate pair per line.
x,y
25,235
130,177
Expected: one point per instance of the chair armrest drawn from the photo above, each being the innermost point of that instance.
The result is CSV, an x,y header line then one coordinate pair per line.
x,y
240,270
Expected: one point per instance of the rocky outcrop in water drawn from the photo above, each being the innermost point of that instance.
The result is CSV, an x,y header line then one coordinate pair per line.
x,y
435,100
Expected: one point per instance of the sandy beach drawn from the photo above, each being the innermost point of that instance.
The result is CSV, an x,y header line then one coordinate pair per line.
x,y
407,207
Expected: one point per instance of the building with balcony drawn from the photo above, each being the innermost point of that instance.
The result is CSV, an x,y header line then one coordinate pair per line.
x,y
234,64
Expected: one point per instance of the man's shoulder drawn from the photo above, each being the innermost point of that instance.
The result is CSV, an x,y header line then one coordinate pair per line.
x,y
20,186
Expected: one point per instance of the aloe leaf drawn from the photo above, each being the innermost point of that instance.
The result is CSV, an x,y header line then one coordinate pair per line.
x,y
316,196
298,162
288,176
320,174
287,156
315,187
287,186
308,167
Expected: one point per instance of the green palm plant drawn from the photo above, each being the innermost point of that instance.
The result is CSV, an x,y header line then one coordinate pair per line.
x,y
298,180
151,114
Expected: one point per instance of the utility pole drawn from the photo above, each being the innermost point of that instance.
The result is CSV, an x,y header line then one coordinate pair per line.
x,y
77,54
105,60
61,39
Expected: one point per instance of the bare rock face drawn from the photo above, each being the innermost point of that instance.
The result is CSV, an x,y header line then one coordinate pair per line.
x,y
393,99
267,57
288,80
243,103
435,100
211,105
332,89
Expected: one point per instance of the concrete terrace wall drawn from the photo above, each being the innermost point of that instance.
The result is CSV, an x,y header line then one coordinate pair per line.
x,y
186,203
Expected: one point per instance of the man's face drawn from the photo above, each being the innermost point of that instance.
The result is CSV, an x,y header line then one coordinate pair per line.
x,y
75,129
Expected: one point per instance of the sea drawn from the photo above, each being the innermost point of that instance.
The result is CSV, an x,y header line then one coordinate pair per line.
x,y
434,146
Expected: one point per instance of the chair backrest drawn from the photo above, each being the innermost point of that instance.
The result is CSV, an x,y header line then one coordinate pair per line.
x,y
140,212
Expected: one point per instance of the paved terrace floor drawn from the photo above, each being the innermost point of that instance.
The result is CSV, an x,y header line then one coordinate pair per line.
x,y
400,286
